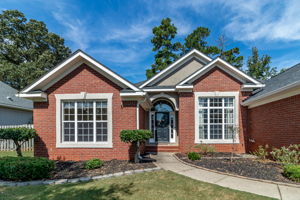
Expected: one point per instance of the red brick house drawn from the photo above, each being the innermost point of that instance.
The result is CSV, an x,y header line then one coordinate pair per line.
x,y
81,106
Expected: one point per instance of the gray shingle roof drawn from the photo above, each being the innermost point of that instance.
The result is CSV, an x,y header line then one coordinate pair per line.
x,y
8,98
290,76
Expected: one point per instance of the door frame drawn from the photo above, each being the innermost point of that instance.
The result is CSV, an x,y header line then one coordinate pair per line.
x,y
172,127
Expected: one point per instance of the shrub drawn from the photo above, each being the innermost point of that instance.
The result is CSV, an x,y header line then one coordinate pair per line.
x,y
290,154
93,163
194,156
135,137
18,135
25,168
292,172
262,152
205,149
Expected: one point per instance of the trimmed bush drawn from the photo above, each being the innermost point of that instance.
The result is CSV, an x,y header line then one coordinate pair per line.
x,y
135,137
292,172
93,163
130,136
262,152
288,155
194,156
18,135
25,168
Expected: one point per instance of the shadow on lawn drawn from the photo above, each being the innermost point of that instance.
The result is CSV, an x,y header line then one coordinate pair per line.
x,y
80,191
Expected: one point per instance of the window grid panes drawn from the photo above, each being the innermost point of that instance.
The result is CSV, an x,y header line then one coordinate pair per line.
x,y
85,121
216,118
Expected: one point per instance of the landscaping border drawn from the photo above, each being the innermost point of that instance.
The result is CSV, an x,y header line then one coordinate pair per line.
x,y
234,175
75,180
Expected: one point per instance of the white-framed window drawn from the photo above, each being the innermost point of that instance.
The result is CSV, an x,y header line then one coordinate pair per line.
x,y
84,120
216,117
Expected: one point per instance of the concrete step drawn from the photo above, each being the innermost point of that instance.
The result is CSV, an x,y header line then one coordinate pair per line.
x,y
162,149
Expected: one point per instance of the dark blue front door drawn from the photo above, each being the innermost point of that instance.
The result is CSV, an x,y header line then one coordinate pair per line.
x,y
162,122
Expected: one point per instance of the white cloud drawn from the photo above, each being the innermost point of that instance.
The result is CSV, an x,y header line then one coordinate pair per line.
x,y
266,20
132,54
134,32
76,29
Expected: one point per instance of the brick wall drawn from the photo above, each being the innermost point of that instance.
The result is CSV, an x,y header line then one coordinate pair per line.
x,y
276,124
215,80
83,79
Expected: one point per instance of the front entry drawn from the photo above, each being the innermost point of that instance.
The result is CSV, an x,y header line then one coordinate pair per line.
x,y
162,122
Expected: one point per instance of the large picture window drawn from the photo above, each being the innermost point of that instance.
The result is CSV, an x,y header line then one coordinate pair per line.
x,y
84,122
216,118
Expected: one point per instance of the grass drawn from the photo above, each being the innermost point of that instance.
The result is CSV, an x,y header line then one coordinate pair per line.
x,y
14,153
152,185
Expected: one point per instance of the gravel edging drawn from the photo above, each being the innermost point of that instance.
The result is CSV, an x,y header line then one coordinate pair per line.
x,y
234,175
75,180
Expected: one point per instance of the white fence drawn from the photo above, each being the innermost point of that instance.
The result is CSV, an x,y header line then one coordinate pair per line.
x,y
9,145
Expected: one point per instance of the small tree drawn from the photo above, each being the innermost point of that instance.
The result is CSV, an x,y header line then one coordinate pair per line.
x,y
135,137
235,136
18,135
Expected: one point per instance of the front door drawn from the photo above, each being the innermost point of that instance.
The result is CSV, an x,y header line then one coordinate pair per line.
x,y
162,122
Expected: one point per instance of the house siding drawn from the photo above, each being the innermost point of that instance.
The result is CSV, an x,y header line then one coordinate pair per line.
x,y
215,80
9,116
83,79
276,124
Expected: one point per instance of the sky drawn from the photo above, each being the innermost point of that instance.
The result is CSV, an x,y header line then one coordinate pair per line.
x,y
118,32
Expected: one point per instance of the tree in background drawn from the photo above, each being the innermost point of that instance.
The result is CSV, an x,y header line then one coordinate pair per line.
x,y
232,55
259,67
197,40
163,45
168,52
27,49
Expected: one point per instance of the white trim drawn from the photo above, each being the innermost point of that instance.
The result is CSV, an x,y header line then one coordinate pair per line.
x,y
138,115
255,100
35,97
245,86
160,90
274,97
236,115
81,96
184,86
132,94
165,96
84,56
174,64
225,64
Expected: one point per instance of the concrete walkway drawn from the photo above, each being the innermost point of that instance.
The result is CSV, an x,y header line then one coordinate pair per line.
x,y
168,162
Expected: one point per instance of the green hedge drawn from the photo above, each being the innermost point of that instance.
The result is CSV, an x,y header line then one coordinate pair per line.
x,y
25,168
93,163
194,156
292,172
135,135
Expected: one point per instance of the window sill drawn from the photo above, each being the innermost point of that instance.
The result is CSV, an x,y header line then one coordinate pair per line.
x,y
216,142
84,145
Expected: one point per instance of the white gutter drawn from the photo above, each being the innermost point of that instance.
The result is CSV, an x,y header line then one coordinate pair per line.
x,y
132,94
248,102
35,95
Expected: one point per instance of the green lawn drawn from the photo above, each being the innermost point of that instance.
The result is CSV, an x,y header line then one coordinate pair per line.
x,y
14,153
152,185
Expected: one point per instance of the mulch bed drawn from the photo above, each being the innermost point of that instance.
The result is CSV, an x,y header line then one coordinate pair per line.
x,y
241,165
71,169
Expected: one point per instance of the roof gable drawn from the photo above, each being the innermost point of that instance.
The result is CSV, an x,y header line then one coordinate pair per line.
x,y
71,63
181,61
225,66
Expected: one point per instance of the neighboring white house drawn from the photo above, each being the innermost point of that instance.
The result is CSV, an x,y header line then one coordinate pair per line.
x,y
14,110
